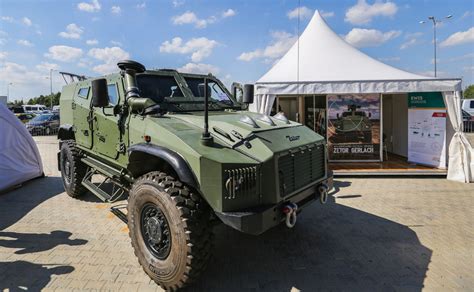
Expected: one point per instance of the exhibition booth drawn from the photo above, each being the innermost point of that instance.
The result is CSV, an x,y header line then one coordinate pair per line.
x,y
377,119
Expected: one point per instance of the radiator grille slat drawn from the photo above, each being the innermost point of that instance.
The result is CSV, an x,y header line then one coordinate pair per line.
x,y
241,182
300,167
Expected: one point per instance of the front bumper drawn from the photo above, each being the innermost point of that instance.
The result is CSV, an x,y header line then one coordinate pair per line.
x,y
259,220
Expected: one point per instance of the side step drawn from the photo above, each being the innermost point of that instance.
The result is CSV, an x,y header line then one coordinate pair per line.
x,y
101,167
111,176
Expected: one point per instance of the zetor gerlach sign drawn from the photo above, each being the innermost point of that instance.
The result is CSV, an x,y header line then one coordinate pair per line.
x,y
354,127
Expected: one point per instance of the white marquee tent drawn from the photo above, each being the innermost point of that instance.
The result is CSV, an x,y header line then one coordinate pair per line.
x,y
321,62
20,160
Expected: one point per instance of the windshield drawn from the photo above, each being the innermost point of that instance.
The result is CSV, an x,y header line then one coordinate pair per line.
x,y
165,91
41,118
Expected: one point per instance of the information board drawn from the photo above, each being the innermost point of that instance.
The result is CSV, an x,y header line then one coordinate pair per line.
x,y
427,129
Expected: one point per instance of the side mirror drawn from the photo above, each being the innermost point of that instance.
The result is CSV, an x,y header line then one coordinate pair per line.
x,y
100,94
248,93
337,116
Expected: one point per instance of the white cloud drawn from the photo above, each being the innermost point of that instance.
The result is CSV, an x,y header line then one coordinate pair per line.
x,y
458,38
304,13
7,18
177,3
362,13
199,68
45,66
3,41
411,39
64,53
199,48
360,37
92,42
25,43
191,18
116,10
408,43
93,6
26,21
327,14
27,82
3,55
228,13
110,57
116,43
466,14
141,5
73,31
280,44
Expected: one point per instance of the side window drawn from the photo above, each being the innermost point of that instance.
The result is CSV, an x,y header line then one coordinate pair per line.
x,y
83,92
113,95
472,104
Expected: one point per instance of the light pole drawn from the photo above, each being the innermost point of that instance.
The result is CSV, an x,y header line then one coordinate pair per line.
x,y
8,90
435,22
51,86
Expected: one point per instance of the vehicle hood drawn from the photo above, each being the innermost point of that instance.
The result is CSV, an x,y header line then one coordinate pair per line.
x,y
260,141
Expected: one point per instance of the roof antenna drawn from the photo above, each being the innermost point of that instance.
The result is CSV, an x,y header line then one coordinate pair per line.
x,y
298,53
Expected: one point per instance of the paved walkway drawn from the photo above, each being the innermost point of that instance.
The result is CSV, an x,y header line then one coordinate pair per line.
x,y
373,235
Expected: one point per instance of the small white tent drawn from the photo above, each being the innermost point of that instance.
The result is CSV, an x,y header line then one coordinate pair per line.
x,y
321,62
20,160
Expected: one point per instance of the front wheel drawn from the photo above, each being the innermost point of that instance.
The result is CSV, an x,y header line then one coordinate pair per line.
x,y
169,229
73,170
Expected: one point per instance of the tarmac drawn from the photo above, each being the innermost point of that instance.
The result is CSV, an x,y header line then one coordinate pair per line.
x,y
374,234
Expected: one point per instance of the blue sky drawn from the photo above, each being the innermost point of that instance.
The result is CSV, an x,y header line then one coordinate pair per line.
x,y
235,40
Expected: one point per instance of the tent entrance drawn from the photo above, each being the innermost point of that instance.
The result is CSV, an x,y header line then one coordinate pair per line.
x,y
310,110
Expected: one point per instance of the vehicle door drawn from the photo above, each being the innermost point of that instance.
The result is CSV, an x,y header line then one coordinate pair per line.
x,y
107,136
82,116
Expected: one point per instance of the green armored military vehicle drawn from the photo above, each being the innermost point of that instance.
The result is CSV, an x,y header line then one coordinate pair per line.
x,y
354,124
186,154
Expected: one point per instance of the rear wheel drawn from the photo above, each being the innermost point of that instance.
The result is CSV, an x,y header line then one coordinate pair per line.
x,y
169,229
73,169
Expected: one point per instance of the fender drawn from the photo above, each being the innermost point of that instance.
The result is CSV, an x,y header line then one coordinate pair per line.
x,y
65,132
177,162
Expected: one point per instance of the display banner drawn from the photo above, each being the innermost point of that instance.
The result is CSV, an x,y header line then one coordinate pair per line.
x,y
354,127
427,129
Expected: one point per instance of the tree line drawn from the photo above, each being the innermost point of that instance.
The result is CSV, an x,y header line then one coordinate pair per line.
x,y
42,99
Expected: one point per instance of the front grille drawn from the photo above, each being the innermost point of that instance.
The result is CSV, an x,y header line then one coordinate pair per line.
x,y
300,167
240,182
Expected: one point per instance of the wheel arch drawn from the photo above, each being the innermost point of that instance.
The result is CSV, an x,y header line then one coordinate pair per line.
x,y
160,158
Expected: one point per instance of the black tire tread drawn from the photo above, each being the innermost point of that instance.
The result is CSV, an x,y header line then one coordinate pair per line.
x,y
79,170
194,213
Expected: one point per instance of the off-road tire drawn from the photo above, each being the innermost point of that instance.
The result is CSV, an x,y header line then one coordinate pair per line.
x,y
187,215
77,169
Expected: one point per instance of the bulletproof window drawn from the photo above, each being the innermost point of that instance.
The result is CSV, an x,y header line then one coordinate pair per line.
x,y
83,92
113,94
158,87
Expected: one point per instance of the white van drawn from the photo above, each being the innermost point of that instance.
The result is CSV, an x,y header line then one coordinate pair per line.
x,y
468,106
34,109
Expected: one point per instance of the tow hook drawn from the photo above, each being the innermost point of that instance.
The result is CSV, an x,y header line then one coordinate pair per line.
x,y
290,212
323,193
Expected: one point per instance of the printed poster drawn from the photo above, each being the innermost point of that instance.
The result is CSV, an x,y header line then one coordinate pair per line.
x,y
427,129
354,127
